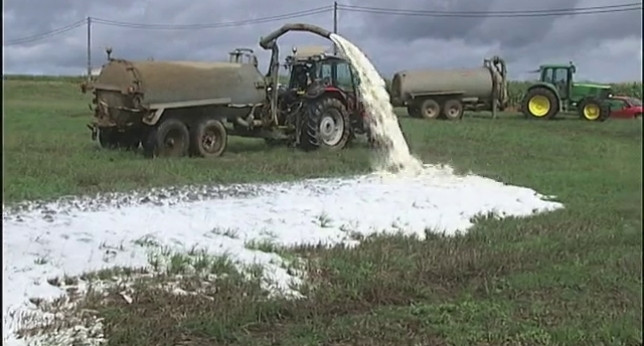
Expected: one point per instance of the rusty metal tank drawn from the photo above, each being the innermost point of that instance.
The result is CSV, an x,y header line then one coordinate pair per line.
x,y
177,81
127,87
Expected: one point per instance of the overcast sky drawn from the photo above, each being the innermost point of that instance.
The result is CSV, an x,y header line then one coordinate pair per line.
x,y
605,47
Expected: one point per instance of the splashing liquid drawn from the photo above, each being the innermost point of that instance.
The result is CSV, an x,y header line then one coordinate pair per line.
x,y
384,126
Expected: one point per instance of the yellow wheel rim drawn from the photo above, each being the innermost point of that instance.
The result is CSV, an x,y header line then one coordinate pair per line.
x,y
539,106
591,112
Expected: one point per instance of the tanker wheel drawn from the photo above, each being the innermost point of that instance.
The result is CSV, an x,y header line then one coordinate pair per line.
x,y
209,138
327,125
453,109
128,140
148,141
540,103
430,109
108,138
592,109
413,110
170,139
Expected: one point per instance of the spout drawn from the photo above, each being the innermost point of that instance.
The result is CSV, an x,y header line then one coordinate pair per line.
x,y
268,41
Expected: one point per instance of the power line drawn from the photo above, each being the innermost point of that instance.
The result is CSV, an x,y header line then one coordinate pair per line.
x,y
498,14
108,22
290,15
349,8
44,35
552,10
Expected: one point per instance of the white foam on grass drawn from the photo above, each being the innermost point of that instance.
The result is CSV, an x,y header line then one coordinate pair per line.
x,y
70,238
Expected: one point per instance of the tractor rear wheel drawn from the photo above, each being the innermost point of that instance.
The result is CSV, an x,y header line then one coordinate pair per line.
x,y
208,138
169,139
327,125
540,103
430,109
453,109
592,109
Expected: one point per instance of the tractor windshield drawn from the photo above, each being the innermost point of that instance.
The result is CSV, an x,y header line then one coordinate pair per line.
x,y
339,74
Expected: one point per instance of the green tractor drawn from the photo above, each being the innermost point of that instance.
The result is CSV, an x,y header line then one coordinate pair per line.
x,y
556,92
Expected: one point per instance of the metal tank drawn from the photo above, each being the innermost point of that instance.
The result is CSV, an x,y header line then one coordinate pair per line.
x,y
482,87
474,82
126,90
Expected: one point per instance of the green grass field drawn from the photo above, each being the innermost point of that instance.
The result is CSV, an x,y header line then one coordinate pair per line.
x,y
570,277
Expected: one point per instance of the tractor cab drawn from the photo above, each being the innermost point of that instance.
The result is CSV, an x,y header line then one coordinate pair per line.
x,y
311,65
560,76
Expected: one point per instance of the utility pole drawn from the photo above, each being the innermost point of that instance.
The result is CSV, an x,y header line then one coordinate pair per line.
x,y
89,48
335,25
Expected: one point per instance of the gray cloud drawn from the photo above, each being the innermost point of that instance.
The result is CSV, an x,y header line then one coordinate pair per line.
x,y
606,47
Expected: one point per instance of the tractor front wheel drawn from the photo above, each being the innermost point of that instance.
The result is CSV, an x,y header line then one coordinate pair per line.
x,y
592,110
540,103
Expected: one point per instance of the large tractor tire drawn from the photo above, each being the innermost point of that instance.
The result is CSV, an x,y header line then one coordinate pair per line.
x,y
540,103
453,109
430,109
208,138
327,125
169,139
592,109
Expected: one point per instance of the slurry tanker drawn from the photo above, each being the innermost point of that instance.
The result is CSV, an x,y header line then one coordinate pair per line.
x,y
447,93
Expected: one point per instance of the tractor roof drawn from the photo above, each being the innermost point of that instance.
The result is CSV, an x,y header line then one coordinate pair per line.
x,y
307,52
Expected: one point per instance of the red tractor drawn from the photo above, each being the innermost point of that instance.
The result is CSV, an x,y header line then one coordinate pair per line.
x,y
324,87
